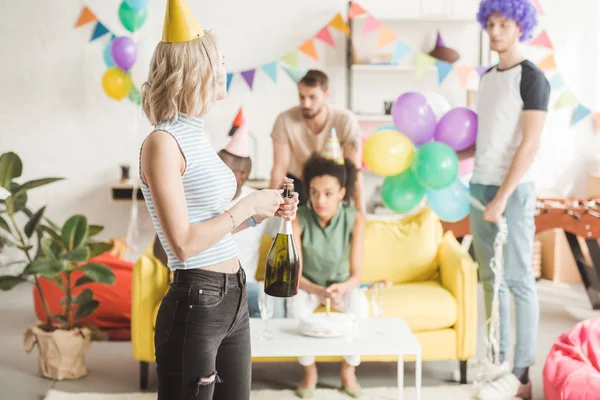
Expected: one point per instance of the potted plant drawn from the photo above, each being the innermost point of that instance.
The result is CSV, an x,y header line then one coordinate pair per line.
x,y
60,254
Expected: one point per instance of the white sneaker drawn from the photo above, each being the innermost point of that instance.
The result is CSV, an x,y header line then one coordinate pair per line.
x,y
503,388
482,370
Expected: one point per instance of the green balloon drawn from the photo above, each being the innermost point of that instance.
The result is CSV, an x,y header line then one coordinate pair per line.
x,y
435,165
132,20
401,193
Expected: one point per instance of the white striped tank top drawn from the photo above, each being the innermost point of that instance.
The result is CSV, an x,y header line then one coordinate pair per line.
x,y
209,187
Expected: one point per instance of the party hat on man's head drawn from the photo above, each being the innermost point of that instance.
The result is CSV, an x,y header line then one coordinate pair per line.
x,y
237,122
180,24
333,150
238,145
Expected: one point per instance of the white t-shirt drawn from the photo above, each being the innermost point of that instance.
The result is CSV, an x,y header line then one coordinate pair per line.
x,y
248,240
503,96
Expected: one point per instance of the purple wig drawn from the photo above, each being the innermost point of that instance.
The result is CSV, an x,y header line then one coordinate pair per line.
x,y
520,11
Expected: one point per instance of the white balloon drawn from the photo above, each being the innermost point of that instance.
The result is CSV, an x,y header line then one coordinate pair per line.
x,y
438,104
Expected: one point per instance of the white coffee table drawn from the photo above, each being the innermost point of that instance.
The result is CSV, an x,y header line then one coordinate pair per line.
x,y
376,337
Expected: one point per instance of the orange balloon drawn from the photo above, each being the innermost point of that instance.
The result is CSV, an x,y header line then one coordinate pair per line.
x,y
116,83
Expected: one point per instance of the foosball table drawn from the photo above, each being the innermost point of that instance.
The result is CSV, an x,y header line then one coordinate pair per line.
x,y
580,219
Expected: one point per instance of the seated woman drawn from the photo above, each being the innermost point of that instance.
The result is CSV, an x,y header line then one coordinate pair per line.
x,y
329,233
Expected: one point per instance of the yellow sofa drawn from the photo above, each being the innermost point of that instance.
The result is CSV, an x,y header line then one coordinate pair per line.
x,y
434,289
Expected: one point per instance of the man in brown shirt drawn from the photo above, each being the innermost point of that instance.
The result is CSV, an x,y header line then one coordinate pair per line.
x,y
304,129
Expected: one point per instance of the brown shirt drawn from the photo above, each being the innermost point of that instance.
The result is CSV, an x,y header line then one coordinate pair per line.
x,y
291,128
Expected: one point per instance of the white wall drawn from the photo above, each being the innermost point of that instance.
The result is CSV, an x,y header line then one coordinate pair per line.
x,y
57,118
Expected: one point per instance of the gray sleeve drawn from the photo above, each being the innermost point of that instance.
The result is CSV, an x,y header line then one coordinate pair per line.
x,y
535,89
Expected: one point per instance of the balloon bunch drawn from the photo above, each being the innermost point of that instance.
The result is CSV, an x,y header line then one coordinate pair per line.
x,y
121,52
417,155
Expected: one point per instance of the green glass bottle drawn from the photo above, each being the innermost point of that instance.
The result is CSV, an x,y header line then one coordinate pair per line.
x,y
282,273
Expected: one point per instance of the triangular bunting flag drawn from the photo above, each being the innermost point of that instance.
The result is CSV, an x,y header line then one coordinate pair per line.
x,y
271,70
444,69
249,77
338,23
99,31
567,98
229,78
463,71
85,17
291,58
542,40
309,49
237,122
295,73
370,25
424,62
385,37
325,36
538,6
548,63
580,113
402,50
597,121
556,82
355,10
482,69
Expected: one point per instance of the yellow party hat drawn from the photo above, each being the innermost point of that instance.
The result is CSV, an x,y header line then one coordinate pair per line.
x,y
333,150
180,24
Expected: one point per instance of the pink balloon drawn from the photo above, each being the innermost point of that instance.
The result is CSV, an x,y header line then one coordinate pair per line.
x,y
457,128
465,167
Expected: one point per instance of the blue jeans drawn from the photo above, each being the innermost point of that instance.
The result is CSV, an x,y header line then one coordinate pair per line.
x,y
252,289
518,275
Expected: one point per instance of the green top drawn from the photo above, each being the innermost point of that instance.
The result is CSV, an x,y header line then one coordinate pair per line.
x,y
326,251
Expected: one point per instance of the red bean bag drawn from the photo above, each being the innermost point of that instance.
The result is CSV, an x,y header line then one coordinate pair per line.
x,y
572,369
113,315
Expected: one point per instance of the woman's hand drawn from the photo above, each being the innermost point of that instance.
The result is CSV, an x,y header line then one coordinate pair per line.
x,y
287,209
264,203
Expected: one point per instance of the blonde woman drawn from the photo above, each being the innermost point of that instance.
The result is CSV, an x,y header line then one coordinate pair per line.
x,y
202,337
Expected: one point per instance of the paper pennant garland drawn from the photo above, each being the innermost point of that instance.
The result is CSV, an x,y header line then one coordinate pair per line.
x,y
424,62
580,113
99,31
542,40
338,23
597,121
402,50
556,82
86,16
444,69
355,10
325,36
229,78
567,98
548,63
482,69
538,6
309,49
463,71
295,73
370,25
237,122
385,37
248,76
271,70
291,58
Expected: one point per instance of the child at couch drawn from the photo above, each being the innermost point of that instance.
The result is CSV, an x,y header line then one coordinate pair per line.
x,y
329,235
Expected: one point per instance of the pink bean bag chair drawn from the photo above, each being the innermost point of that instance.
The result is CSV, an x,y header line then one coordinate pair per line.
x,y
572,370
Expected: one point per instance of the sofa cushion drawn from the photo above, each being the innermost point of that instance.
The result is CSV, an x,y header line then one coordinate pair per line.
x,y
403,250
425,306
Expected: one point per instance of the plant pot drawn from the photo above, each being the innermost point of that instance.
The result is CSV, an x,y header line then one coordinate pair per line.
x,y
61,352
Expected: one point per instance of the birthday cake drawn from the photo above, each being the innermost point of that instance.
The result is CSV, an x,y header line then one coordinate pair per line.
x,y
324,326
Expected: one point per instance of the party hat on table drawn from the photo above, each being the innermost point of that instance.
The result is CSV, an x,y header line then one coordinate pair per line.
x,y
180,24
333,150
238,145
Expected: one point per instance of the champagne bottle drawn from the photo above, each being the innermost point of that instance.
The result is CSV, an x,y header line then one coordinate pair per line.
x,y
282,273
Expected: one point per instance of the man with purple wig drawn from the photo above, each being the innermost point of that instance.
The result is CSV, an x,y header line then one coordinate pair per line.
x,y
512,104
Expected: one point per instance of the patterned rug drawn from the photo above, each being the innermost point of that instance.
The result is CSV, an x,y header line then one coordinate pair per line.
x,y
455,392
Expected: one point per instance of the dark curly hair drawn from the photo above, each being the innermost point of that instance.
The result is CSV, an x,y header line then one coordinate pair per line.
x,y
318,165
520,11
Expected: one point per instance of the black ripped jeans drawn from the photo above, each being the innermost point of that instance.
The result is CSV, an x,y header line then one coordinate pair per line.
x,y
202,338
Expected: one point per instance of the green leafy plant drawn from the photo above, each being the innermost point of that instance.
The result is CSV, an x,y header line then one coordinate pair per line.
x,y
50,251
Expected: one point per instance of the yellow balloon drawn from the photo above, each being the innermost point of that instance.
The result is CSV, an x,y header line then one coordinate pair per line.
x,y
388,152
116,83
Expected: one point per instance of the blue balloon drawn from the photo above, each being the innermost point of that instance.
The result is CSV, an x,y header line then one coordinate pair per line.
x,y
452,203
388,127
108,60
137,5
